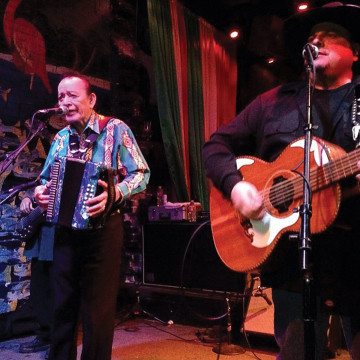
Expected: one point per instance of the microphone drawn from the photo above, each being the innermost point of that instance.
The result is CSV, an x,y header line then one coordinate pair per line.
x,y
310,52
61,110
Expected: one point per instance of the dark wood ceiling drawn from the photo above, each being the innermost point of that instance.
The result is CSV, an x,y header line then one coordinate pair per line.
x,y
224,12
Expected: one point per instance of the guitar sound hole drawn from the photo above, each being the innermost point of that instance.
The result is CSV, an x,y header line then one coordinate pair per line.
x,y
282,196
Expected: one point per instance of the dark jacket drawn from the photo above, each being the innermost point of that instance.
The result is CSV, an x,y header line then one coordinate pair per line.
x,y
263,129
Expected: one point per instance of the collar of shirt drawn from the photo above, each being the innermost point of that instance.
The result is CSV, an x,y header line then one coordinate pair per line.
x,y
91,126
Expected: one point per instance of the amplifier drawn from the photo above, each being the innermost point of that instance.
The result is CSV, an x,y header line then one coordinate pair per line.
x,y
179,254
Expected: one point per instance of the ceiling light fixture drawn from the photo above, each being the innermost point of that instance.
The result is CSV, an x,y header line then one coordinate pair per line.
x,y
302,6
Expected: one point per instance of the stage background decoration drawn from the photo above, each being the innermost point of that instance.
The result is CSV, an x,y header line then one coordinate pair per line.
x,y
193,65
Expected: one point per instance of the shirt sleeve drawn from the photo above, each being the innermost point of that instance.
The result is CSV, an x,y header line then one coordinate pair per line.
x,y
226,144
134,170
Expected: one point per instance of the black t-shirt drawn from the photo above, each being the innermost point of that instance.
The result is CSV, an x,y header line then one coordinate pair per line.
x,y
326,104
335,251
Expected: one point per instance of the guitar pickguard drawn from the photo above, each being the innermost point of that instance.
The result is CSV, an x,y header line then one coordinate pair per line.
x,y
264,231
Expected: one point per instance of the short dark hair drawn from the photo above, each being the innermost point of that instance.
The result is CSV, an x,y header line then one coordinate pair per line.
x,y
83,78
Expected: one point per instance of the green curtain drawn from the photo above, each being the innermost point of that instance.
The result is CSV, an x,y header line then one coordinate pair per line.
x,y
196,113
167,93
172,27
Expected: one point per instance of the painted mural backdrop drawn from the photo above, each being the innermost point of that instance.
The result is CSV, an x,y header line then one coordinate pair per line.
x,y
17,103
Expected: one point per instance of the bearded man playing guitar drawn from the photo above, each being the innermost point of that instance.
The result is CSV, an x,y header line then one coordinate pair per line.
x,y
255,163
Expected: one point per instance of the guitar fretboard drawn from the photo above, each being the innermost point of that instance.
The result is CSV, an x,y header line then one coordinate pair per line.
x,y
341,168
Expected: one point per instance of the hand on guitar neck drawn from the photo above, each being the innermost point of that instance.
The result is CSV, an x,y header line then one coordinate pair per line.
x,y
355,189
247,200
27,227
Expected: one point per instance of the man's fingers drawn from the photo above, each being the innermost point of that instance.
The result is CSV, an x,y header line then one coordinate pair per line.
x,y
103,184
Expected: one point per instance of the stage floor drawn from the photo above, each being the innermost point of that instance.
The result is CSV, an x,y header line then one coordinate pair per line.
x,y
142,339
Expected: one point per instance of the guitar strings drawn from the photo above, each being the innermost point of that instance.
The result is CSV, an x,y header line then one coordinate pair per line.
x,y
282,193
291,189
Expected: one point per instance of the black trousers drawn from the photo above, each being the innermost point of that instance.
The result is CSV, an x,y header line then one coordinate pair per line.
x,y
41,297
86,275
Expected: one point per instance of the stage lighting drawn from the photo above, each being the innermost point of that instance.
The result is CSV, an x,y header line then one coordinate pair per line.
x,y
234,32
302,6
271,60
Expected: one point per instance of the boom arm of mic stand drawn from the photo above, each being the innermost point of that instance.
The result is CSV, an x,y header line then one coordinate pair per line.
x,y
9,196
16,189
13,155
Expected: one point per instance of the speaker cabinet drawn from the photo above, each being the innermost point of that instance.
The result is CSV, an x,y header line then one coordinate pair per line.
x,y
182,254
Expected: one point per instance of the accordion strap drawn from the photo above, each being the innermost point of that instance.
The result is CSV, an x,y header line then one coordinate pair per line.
x,y
355,116
103,122
109,175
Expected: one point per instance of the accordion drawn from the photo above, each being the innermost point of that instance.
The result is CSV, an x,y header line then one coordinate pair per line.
x,y
73,181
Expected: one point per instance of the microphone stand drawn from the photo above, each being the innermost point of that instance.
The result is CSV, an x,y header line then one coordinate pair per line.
x,y
304,240
16,189
13,155
228,348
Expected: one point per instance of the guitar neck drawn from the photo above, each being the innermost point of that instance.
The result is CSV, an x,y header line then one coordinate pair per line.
x,y
335,170
320,178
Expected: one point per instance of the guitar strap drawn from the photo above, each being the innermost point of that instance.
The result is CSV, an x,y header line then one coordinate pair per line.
x,y
103,122
355,116
108,177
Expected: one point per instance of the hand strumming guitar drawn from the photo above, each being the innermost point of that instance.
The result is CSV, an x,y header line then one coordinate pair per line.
x,y
247,200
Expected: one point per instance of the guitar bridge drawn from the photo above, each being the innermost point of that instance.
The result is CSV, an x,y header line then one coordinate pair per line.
x,y
248,228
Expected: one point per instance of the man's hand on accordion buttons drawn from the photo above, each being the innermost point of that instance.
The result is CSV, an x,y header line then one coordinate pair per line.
x,y
96,205
41,195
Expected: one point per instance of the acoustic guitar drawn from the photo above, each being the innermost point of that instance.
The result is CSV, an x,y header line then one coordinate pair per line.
x,y
244,244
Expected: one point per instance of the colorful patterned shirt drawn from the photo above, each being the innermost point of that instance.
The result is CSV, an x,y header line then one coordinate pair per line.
x,y
114,147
